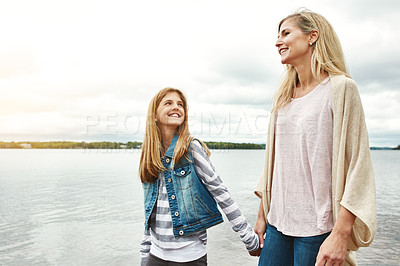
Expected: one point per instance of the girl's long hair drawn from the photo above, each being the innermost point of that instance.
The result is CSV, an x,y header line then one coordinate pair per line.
x,y
327,56
152,148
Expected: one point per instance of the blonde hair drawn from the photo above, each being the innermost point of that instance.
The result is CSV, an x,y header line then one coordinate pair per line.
x,y
152,148
327,55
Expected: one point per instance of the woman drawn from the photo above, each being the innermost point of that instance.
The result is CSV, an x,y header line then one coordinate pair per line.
x,y
181,189
317,189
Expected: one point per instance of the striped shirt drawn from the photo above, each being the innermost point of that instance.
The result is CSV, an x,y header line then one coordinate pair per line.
x,y
160,241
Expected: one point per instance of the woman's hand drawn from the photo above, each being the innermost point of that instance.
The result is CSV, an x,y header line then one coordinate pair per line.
x,y
333,250
259,229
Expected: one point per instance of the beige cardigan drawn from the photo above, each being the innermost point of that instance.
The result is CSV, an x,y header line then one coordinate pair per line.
x,y
353,184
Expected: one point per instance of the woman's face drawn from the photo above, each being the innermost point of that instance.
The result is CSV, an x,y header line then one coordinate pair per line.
x,y
170,113
293,44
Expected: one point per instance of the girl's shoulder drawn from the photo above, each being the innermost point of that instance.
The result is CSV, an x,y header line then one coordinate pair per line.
x,y
198,146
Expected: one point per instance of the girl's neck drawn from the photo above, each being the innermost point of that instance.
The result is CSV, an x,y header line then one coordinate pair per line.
x,y
167,136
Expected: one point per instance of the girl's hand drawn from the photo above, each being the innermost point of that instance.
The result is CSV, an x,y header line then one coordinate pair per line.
x,y
255,253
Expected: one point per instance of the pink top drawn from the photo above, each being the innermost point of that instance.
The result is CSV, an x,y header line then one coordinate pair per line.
x,y
301,201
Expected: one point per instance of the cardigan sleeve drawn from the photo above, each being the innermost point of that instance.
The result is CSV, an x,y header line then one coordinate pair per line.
x,y
263,188
353,177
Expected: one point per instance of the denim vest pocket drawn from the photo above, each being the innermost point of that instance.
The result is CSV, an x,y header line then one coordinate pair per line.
x,y
204,210
183,177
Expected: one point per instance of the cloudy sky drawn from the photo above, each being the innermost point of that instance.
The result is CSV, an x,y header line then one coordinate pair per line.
x,y
87,69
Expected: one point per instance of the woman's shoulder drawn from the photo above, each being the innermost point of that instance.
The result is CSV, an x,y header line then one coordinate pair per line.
x,y
343,83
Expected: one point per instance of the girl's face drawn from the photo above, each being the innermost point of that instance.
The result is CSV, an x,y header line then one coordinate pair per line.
x,y
170,113
293,44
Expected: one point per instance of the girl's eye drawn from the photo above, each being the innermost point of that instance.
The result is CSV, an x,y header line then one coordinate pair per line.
x,y
286,33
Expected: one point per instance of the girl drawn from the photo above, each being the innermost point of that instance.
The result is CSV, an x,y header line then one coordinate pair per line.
x,y
317,189
181,189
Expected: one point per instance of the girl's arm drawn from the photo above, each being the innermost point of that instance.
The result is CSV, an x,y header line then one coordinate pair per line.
x,y
207,174
145,247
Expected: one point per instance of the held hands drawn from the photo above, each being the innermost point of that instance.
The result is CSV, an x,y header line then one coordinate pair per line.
x,y
259,229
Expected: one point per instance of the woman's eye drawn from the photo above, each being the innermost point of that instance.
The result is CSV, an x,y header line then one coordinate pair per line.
x,y
286,33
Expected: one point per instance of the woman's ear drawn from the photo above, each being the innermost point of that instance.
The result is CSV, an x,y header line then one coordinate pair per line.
x,y
313,36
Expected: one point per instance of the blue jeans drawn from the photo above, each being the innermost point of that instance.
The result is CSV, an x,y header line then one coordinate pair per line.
x,y
155,261
280,249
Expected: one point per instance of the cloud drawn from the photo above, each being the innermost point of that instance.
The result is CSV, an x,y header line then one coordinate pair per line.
x,y
89,66
371,10
378,76
382,116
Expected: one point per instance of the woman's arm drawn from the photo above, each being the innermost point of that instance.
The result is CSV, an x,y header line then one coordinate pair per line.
x,y
333,250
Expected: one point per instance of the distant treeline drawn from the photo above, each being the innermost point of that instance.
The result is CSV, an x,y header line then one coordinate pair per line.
x,y
112,145
234,146
131,145
70,145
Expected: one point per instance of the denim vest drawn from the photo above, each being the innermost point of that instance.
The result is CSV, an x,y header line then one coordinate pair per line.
x,y
193,209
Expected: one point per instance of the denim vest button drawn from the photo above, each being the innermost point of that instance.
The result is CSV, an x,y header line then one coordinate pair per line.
x,y
181,233
182,172
169,180
167,160
173,197
176,213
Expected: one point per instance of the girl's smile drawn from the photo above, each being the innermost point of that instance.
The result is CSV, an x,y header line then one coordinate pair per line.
x,y
170,112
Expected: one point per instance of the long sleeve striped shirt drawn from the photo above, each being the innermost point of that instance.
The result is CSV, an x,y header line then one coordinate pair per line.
x,y
160,241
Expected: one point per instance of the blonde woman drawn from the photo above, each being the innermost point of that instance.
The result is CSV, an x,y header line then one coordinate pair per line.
x,y
181,189
317,189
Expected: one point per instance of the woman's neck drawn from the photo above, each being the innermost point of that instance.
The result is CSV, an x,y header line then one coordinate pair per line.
x,y
307,81
305,75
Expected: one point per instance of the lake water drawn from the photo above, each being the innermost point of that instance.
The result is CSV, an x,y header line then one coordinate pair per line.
x,y
84,207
